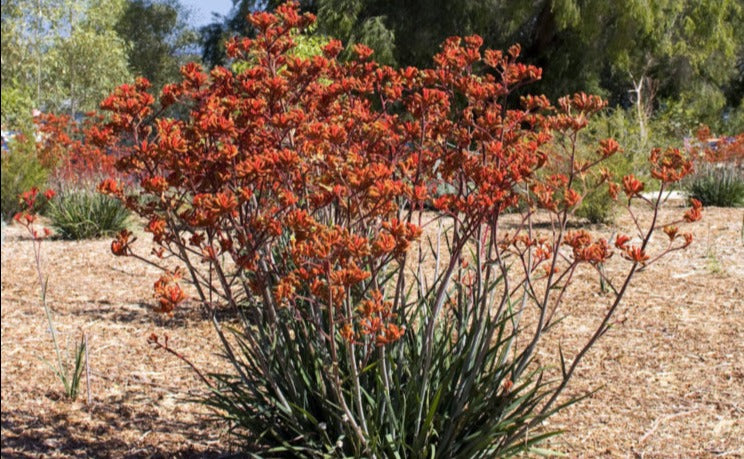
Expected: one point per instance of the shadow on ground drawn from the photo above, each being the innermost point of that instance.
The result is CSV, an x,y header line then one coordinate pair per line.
x,y
101,432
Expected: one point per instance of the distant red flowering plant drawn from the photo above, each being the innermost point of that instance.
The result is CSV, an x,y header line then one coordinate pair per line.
x,y
719,169
669,166
712,149
296,193
68,148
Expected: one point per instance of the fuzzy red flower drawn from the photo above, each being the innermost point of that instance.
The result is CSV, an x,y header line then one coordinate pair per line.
x,y
671,232
121,245
572,198
608,147
632,186
347,333
391,333
621,241
109,186
168,294
669,165
635,254
695,212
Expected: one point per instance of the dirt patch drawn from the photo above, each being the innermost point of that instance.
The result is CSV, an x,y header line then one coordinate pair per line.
x,y
670,373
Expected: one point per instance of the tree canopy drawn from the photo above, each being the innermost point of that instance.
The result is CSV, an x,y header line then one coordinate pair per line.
x,y
685,59
675,53
160,37
66,55
61,55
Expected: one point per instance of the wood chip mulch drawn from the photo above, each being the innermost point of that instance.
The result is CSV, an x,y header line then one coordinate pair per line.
x,y
669,375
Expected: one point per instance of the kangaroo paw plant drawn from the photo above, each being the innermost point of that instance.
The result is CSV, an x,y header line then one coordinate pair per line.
x,y
359,221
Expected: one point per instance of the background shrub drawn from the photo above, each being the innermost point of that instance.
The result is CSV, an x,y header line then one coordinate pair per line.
x,y
623,126
597,205
85,214
719,185
21,171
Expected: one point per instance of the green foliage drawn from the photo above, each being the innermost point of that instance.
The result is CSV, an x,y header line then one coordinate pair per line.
x,y
689,52
308,45
214,35
685,114
17,102
597,206
66,52
471,408
718,185
343,19
409,33
17,55
70,375
16,108
582,45
85,214
160,38
733,122
89,62
623,125
374,33
21,171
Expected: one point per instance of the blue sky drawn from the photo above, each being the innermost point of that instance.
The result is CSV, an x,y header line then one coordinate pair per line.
x,y
201,10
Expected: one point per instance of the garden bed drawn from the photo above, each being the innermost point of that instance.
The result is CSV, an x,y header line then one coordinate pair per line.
x,y
670,373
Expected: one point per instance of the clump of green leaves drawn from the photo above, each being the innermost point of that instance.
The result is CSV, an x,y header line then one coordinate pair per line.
x,y
68,370
85,214
718,185
472,408
597,207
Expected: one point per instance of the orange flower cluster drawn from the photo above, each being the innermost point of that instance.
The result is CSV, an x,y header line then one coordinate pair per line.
x,y
632,186
297,179
586,249
168,293
376,315
669,165
66,147
121,245
630,252
695,212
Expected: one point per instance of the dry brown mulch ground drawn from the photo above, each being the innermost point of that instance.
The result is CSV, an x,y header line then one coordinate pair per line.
x,y
670,373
